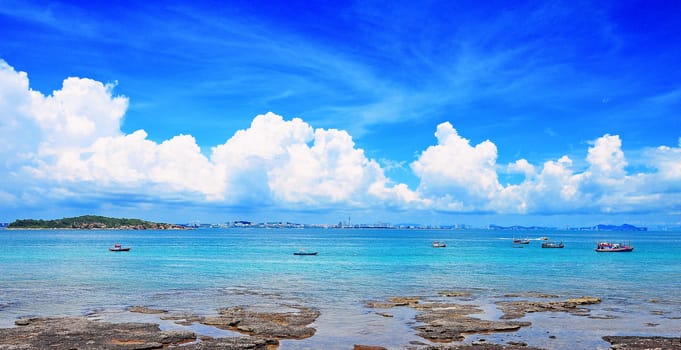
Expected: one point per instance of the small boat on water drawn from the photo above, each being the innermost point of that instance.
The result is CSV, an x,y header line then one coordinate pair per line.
x,y
521,241
438,244
119,248
609,247
302,252
548,244
543,238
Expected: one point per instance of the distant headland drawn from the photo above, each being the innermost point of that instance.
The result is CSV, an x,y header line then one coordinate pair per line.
x,y
93,222
599,227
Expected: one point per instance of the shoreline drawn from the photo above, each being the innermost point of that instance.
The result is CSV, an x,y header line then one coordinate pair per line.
x,y
168,228
443,320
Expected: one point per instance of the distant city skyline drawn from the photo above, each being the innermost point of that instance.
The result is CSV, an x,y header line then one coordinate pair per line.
x,y
435,113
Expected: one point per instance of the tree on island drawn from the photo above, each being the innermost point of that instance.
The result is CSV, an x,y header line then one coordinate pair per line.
x,y
91,222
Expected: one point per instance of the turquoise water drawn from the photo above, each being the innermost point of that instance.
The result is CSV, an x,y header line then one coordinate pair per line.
x,y
57,273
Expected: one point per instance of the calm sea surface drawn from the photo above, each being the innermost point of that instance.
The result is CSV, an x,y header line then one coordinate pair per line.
x,y
60,273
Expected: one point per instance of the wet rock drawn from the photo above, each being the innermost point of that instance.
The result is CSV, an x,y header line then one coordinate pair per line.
x,y
22,322
81,333
368,347
487,346
461,309
380,305
146,310
641,343
234,343
446,322
518,309
454,294
531,295
393,302
517,343
404,301
184,319
584,300
278,325
456,328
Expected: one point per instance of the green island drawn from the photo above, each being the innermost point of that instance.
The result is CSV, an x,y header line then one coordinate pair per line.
x,y
92,222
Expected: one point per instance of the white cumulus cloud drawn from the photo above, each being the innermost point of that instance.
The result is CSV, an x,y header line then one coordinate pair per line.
x,y
77,143
456,174
69,144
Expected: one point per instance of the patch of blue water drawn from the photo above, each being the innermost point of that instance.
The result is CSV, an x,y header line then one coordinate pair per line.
x,y
56,273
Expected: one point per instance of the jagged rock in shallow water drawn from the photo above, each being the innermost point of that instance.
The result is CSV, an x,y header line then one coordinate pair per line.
x,y
81,333
641,343
584,300
455,327
454,294
146,310
481,347
404,301
446,322
235,343
518,309
279,325
368,347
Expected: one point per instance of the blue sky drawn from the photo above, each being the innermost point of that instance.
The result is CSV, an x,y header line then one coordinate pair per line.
x,y
435,112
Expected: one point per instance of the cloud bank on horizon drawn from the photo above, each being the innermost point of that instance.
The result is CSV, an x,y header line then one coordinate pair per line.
x,y
68,148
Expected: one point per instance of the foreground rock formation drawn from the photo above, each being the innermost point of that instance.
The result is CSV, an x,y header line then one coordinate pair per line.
x,y
518,309
263,328
643,343
447,322
291,324
81,333
263,331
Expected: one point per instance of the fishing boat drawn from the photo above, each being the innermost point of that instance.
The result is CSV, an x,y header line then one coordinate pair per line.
x,y
609,247
548,244
438,244
119,248
544,238
302,252
521,241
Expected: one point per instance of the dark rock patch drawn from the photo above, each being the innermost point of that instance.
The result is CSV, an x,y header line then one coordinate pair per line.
x,y
482,346
368,347
278,325
454,294
81,333
641,343
518,309
446,322
146,310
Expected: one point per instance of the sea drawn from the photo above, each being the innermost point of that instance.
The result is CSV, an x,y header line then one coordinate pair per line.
x,y
72,273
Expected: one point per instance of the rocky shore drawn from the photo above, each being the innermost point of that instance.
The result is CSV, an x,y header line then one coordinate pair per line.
x,y
444,322
262,331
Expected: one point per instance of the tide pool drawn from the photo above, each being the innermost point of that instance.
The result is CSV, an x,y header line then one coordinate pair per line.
x,y
65,273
